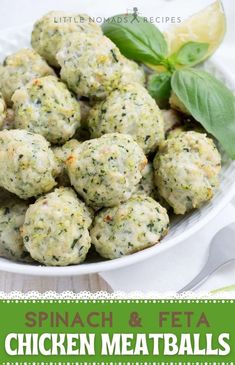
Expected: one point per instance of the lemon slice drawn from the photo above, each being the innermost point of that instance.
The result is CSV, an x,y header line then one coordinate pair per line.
x,y
207,26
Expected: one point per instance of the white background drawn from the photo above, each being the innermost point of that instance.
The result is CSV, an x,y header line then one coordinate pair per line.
x,y
172,269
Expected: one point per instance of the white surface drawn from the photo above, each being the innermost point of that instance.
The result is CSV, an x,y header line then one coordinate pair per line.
x,y
18,12
26,283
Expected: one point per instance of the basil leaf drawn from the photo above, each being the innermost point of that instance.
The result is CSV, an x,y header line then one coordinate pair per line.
x,y
191,53
159,87
136,38
210,102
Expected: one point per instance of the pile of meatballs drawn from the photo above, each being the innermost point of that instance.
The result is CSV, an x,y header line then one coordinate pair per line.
x,y
87,158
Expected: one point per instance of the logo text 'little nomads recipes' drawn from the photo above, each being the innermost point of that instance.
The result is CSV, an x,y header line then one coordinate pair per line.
x,y
134,12
178,333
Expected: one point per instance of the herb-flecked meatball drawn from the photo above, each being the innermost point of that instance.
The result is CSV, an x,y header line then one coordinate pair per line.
x,y
49,32
132,72
45,106
61,154
139,223
12,215
177,104
18,69
90,65
129,110
26,163
146,185
187,170
55,231
106,170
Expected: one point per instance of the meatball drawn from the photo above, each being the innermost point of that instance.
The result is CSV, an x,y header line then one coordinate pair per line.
x,y
186,170
61,154
171,118
2,111
90,65
55,231
18,69
12,215
146,185
45,106
139,223
132,72
106,170
177,104
49,32
130,110
26,163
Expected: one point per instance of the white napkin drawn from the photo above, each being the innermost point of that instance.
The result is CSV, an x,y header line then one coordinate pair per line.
x,y
173,269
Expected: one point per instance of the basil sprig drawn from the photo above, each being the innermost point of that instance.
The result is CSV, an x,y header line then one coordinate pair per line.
x,y
190,53
210,102
136,38
143,42
159,87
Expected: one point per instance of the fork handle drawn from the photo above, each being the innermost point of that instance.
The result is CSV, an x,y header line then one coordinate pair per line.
x,y
203,275
198,280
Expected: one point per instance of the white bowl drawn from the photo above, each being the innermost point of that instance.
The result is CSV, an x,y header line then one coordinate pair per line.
x,y
182,228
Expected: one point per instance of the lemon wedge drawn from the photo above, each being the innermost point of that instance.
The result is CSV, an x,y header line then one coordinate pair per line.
x,y
207,26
